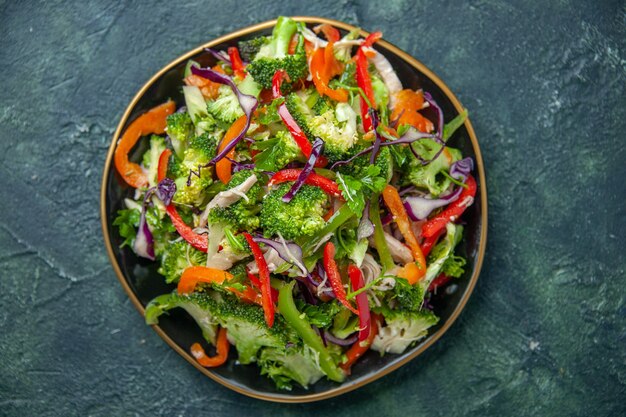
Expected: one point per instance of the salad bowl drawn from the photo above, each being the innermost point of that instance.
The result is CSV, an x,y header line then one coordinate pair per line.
x,y
140,279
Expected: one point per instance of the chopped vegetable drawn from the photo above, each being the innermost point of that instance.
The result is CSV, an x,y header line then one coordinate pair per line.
x,y
285,204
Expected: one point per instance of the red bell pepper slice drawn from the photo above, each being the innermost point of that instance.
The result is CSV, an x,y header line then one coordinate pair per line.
x,y
359,347
364,81
257,284
440,281
264,274
453,211
221,354
164,160
429,242
332,272
356,279
236,62
371,39
200,242
296,132
328,186
153,121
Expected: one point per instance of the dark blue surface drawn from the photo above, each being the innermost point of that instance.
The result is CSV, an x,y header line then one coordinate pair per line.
x,y
544,333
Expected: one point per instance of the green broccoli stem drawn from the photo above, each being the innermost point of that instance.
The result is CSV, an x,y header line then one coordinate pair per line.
x,y
282,34
379,235
289,311
344,214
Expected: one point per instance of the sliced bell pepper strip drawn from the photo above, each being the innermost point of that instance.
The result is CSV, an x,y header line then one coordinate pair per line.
x,y
223,167
164,159
356,279
371,39
194,274
394,203
440,281
405,111
153,121
264,274
324,66
359,347
298,322
453,211
411,272
221,354
257,284
332,272
429,242
200,242
249,295
364,82
236,62
328,186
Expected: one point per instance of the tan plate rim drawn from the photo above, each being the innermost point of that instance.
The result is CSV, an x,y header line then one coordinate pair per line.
x,y
284,398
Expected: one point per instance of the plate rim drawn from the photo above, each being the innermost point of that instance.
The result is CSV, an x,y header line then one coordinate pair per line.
x,y
284,398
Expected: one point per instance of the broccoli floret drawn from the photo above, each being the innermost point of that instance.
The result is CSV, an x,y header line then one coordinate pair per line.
x,y
407,297
302,216
402,329
177,257
276,152
225,107
200,307
248,49
430,176
300,111
322,105
443,254
180,129
243,214
150,158
359,166
272,56
245,322
336,126
200,151
290,364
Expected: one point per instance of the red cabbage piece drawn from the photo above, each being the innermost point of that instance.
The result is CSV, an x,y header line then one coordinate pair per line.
x,y
318,147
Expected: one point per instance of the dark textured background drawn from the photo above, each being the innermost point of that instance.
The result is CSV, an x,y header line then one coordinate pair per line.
x,y
544,333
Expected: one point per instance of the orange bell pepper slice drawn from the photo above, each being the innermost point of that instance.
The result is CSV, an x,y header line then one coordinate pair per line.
x,y
408,104
223,168
196,274
221,354
394,203
324,66
153,121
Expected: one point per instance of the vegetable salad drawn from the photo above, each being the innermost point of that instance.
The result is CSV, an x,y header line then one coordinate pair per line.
x,y
303,203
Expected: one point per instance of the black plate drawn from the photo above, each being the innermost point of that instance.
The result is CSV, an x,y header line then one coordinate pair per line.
x,y
142,283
